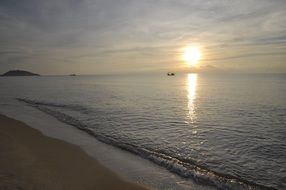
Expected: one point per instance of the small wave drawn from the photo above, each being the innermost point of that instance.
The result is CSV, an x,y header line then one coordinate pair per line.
x,y
72,107
183,168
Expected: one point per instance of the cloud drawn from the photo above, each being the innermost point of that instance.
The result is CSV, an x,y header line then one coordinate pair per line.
x,y
94,32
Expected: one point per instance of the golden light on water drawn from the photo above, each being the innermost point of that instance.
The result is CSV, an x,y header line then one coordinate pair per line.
x,y
191,90
192,55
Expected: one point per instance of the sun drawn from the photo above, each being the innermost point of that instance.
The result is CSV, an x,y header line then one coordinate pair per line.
x,y
192,55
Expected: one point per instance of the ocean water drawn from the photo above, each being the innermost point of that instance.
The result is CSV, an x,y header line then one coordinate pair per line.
x,y
221,131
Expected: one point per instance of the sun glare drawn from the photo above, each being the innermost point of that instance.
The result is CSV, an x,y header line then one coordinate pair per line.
x,y
192,55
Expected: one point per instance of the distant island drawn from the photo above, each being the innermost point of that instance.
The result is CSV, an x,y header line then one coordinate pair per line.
x,y
19,73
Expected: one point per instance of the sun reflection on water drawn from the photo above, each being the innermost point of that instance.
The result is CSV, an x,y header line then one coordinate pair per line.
x,y
191,89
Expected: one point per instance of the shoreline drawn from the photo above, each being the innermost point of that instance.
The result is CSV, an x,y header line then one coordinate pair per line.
x,y
30,160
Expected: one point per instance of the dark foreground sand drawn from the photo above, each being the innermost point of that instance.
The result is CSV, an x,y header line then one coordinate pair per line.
x,y
31,161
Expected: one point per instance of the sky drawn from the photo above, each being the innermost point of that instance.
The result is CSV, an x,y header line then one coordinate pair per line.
x,y
122,36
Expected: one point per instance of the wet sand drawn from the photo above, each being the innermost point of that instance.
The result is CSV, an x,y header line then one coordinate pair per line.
x,y
29,160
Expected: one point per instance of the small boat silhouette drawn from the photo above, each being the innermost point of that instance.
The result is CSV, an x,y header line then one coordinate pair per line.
x,y
171,74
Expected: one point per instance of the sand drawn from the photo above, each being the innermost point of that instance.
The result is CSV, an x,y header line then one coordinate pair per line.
x,y
30,160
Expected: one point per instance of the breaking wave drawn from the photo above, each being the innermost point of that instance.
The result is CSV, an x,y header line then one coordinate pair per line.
x,y
183,168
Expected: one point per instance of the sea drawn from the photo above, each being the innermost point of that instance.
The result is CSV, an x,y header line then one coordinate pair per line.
x,y
188,131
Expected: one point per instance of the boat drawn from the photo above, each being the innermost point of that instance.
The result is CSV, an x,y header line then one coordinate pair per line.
x,y
171,74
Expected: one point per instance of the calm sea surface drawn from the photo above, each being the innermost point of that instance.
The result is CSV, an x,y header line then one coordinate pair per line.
x,y
227,131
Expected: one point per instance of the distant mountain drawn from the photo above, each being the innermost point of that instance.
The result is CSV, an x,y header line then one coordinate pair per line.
x,y
19,73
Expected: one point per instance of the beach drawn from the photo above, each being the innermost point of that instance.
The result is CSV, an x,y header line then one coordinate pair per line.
x,y
30,160
223,131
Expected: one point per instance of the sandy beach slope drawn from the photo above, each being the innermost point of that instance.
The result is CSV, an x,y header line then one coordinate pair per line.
x,y
29,160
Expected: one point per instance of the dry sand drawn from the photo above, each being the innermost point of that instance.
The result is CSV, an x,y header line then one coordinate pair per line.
x,y
31,161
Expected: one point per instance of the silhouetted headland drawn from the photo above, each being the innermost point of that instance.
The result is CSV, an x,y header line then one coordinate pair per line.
x,y
19,73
